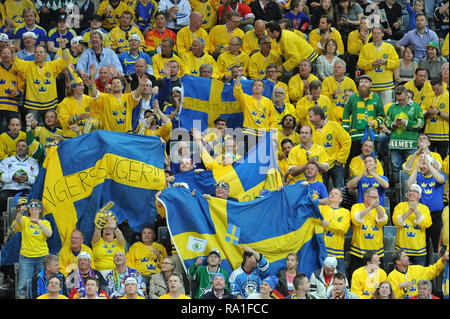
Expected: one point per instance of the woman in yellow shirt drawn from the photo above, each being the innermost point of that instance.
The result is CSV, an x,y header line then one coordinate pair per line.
x,y
105,243
35,232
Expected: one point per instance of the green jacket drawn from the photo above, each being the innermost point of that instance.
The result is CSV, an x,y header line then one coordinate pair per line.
x,y
404,137
358,112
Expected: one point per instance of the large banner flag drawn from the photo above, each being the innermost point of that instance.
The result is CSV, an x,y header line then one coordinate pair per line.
x,y
206,99
247,177
275,225
81,175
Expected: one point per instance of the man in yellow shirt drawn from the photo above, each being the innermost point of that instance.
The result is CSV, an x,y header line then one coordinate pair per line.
x,y
260,60
121,33
335,87
306,152
166,55
356,40
420,86
319,36
116,109
259,113
146,255
299,83
379,59
368,219
221,34
412,219
197,57
404,277
314,98
175,284
367,278
335,140
250,40
187,34
436,114
292,47
112,10
53,288
231,57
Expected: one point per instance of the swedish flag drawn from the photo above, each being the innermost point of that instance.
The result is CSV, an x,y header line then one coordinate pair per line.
x,y
206,99
82,174
280,223
247,177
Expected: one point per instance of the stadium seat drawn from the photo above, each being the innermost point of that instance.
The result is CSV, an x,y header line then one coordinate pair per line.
x,y
437,282
9,215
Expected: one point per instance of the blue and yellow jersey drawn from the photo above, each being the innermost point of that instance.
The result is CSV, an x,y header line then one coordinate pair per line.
x,y
368,233
334,233
41,82
141,258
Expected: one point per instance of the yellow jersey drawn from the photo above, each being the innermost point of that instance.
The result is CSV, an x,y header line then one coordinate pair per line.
x,y
294,49
419,96
364,285
258,64
368,233
227,60
413,274
208,10
315,36
382,76
435,126
250,43
158,62
162,131
258,114
67,258
34,242
14,11
115,113
70,108
354,42
329,85
8,144
192,64
356,166
112,18
334,233
336,141
10,79
219,36
185,37
141,258
41,82
411,233
296,87
119,38
299,155
304,104
103,253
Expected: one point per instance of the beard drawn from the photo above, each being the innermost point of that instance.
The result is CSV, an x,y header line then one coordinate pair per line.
x,y
363,92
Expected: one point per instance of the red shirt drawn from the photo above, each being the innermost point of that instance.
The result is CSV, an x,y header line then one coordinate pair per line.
x,y
243,9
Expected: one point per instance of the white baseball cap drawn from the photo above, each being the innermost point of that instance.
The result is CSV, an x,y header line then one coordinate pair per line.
x,y
4,37
29,34
135,36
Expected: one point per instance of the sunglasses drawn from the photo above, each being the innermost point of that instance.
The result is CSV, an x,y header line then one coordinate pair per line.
x,y
222,184
34,205
21,204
